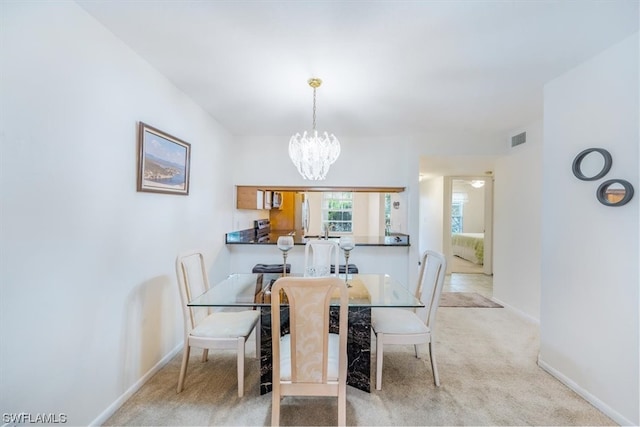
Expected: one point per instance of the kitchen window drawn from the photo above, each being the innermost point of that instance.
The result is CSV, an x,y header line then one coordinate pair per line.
x,y
337,211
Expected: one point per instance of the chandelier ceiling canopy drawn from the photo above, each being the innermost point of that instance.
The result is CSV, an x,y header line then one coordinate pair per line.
x,y
313,154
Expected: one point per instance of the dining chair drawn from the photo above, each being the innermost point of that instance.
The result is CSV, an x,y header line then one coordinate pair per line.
x,y
206,329
309,360
319,255
403,326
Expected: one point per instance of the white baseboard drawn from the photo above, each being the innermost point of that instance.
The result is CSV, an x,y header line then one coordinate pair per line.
x,y
604,408
104,416
514,310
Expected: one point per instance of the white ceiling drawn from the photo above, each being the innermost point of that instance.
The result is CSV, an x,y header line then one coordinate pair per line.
x,y
389,67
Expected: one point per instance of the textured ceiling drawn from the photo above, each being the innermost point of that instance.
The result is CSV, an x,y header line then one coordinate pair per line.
x,y
389,68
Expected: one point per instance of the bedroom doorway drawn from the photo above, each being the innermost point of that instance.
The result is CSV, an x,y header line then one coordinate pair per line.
x,y
468,224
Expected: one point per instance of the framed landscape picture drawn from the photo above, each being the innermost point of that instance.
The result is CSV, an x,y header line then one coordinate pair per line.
x,y
163,162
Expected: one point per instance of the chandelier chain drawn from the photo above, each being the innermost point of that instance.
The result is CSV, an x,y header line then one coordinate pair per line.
x,y
314,108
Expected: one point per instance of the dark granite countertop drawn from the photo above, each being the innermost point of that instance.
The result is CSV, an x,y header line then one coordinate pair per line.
x,y
247,237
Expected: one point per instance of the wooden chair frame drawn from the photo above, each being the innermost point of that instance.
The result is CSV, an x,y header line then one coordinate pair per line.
x,y
430,282
247,318
309,373
322,245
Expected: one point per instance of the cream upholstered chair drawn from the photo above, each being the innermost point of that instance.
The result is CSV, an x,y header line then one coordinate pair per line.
x,y
206,329
309,361
402,326
318,254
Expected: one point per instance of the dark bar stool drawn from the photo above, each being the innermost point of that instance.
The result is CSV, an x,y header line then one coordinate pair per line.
x,y
270,268
353,269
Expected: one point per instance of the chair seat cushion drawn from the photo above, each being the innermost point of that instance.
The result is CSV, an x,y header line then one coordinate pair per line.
x,y
396,321
353,269
270,268
227,324
332,362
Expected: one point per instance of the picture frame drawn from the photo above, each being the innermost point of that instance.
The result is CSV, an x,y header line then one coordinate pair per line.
x,y
163,162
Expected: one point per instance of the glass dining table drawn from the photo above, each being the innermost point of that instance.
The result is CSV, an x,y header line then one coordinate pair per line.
x,y
366,291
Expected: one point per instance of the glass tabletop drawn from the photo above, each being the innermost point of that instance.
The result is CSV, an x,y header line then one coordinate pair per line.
x,y
253,290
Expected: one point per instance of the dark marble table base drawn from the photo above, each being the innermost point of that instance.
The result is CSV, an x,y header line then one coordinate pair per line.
x,y
358,345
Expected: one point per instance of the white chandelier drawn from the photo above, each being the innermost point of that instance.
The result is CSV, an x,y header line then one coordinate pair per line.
x,y
310,153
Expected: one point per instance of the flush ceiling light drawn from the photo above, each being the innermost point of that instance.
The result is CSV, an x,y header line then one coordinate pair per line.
x,y
310,153
477,183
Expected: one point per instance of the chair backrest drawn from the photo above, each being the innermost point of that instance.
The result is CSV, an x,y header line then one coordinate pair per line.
x,y
319,254
433,268
192,282
309,300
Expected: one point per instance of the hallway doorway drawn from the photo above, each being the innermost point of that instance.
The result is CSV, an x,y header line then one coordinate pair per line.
x,y
435,208
468,224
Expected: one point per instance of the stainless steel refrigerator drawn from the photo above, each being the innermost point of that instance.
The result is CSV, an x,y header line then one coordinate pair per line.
x,y
301,214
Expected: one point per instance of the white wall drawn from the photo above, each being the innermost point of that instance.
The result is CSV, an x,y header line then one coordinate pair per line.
x,y
431,214
516,222
359,164
89,301
589,317
244,218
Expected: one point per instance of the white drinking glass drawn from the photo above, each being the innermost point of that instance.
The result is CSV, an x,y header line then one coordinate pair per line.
x,y
285,243
347,243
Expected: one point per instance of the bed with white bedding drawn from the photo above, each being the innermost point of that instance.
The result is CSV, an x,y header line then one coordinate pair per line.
x,y
469,246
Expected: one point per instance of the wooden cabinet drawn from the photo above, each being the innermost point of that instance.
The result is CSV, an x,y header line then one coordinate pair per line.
x,y
257,198
249,198
283,218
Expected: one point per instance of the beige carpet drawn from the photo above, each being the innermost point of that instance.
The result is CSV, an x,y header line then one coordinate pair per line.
x,y
488,374
466,299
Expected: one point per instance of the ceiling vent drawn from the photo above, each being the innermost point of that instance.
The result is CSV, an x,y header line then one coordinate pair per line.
x,y
518,139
